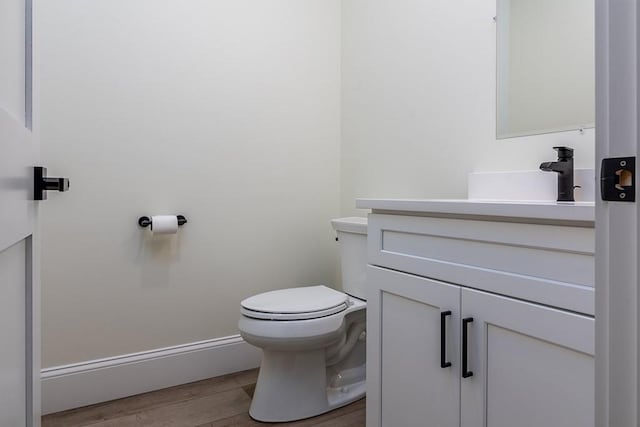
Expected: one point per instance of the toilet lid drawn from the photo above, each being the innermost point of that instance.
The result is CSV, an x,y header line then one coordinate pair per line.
x,y
295,304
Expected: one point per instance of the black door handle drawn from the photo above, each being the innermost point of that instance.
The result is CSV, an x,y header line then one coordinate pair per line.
x,y
42,183
443,339
465,324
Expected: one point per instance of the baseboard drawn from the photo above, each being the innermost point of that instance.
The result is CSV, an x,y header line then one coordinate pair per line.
x,y
81,384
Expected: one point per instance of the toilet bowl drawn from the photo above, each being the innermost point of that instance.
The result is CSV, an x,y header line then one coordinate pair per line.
x,y
312,338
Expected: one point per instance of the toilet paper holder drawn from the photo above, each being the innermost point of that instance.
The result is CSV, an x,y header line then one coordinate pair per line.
x,y
145,221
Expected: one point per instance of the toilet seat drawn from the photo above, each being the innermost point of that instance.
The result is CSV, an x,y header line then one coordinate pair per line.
x,y
294,334
295,304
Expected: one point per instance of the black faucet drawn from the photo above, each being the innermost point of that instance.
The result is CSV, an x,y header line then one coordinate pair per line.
x,y
564,168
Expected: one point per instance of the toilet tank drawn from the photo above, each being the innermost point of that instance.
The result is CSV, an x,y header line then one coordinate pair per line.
x,y
352,238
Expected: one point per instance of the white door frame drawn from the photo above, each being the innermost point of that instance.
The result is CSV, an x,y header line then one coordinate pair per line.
x,y
33,269
617,297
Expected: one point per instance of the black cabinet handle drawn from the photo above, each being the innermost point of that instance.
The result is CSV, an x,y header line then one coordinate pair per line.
x,y
443,339
465,324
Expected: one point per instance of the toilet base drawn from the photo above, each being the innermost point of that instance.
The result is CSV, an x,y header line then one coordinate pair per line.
x,y
344,395
293,386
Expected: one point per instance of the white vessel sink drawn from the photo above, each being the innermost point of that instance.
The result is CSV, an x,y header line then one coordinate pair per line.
x,y
533,185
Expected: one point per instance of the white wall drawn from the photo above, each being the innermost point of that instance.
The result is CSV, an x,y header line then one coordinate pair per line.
x,y
419,102
227,111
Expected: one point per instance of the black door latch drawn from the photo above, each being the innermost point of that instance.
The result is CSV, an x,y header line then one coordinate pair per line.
x,y
42,183
618,179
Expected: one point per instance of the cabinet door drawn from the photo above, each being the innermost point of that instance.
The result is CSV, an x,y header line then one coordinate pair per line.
x,y
532,365
407,384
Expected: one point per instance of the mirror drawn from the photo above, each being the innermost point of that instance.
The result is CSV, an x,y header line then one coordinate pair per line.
x,y
545,66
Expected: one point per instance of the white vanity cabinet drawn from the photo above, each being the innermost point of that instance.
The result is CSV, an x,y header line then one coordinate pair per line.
x,y
528,286
532,365
410,386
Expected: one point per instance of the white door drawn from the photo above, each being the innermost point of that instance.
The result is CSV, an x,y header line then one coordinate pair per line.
x,y
617,253
19,309
413,354
530,365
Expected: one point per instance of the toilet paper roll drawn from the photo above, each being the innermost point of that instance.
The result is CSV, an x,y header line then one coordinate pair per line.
x,y
164,224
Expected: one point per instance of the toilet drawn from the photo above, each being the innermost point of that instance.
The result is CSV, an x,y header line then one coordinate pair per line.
x,y
312,338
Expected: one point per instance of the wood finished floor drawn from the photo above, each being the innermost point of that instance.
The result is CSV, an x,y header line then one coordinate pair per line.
x,y
216,402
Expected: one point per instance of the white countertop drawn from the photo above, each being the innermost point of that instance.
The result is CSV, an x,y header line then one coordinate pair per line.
x,y
541,210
